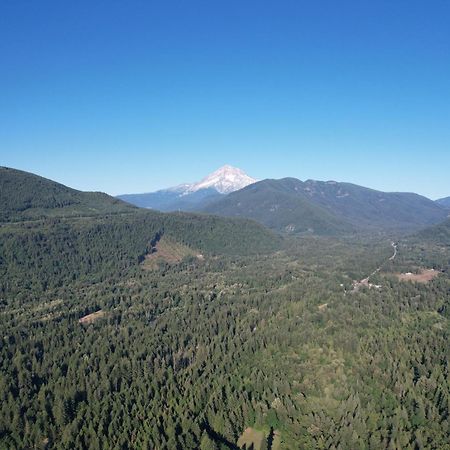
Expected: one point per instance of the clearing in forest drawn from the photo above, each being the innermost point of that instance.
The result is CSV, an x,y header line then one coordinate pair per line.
x,y
251,437
91,318
276,440
424,276
167,251
258,440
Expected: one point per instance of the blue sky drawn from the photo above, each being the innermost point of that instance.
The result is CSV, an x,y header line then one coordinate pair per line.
x,y
134,96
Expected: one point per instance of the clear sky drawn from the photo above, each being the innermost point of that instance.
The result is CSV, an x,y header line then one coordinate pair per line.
x,y
132,96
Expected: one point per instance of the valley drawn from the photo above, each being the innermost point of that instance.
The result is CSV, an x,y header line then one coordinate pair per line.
x,y
175,331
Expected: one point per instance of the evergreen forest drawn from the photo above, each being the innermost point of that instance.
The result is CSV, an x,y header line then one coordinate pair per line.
x,y
132,329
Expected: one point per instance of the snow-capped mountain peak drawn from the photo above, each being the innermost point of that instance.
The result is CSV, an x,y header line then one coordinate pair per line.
x,y
224,180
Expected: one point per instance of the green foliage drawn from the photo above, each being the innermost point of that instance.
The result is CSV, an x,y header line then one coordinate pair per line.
x,y
371,209
49,253
88,237
25,196
438,234
327,208
190,355
278,205
206,443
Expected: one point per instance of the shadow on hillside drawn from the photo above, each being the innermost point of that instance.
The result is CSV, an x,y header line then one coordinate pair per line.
x,y
219,438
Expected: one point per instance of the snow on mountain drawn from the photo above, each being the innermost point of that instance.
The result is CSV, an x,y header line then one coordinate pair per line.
x,y
180,189
193,196
224,180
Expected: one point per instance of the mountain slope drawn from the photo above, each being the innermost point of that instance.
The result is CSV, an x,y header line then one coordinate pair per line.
x,y
280,205
195,196
366,207
173,200
81,236
24,195
438,234
327,207
444,202
224,180
49,253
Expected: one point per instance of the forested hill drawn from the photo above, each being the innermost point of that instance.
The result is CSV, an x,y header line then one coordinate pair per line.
x,y
52,234
438,234
201,356
328,207
366,207
25,196
241,346
50,252
278,204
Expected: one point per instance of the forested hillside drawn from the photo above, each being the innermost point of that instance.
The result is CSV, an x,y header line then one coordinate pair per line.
x,y
190,355
244,338
25,196
328,207
279,205
439,233
52,252
371,208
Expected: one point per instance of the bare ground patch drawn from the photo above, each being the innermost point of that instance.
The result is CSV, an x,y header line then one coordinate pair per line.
x,y
258,439
251,437
167,251
276,440
91,318
424,276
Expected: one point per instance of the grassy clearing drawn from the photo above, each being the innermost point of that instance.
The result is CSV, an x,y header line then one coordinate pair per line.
x,y
167,251
276,444
91,318
251,437
260,440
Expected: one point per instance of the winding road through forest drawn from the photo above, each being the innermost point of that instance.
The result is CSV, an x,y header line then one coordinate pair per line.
x,y
365,281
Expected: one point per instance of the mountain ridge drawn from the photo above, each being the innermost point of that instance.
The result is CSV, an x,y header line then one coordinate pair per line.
x,y
24,196
294,206
327,206
275,204
31,202
444,202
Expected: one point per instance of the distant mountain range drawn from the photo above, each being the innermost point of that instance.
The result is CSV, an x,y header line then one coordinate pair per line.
x,y
191,197
287,205
294,206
